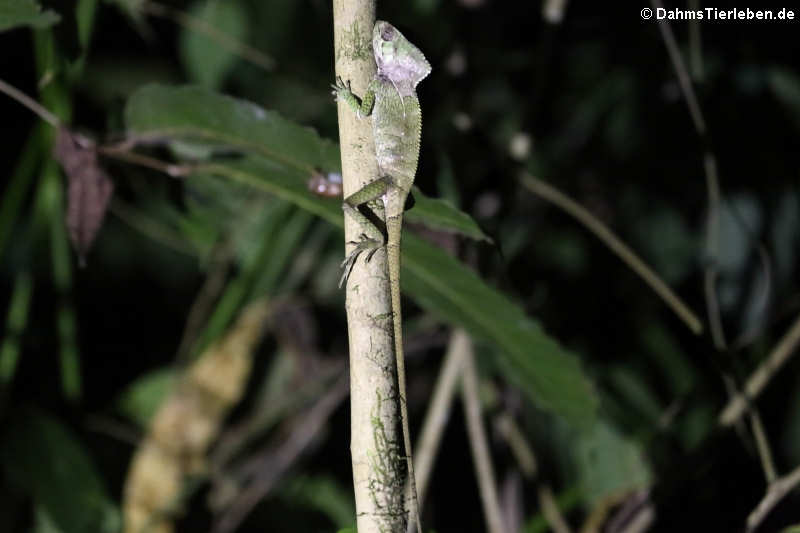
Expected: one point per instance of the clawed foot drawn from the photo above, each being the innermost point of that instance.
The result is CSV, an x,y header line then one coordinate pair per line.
x,y
365,244
341,89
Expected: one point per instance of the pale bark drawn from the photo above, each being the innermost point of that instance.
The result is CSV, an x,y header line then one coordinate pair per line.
x,y
375,444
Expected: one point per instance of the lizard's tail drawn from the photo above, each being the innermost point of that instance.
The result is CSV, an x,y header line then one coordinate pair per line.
x,y
394,230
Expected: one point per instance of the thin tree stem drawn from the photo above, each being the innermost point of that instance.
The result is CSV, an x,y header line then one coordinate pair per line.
x,y
30,103
628,256
438,412
761,377
479,444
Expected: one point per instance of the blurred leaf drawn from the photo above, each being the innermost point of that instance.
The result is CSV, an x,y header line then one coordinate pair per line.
x,y
42,457
637,395
15,13
529,357
695,425
665,352
610,463
537,363
18,183
85,16
140,400
785,234
785,85
440,214
205,59
43,523
439,283
670,247
739,221
16,322
194,113
107,79
564,249
324,494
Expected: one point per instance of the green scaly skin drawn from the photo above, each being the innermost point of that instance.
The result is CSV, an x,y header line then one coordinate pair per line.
x,y
391,100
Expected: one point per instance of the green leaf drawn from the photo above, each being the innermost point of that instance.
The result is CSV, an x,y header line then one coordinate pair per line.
x,y
205,59
610,463
195,113
529,357
140,400
203,115
284,154
45,459
785,85
15,13
441,284
442,215
323,493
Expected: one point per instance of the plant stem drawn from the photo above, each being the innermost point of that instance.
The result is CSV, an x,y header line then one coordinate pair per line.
x,y
479,443
622,250
375,442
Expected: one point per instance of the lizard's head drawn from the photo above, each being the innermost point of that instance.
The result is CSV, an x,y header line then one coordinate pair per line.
x,y
398,59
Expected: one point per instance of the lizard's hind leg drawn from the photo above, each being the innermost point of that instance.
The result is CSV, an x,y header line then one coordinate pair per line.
x,y
372,238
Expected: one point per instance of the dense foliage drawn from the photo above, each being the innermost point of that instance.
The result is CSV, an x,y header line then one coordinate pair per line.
x,y
211,118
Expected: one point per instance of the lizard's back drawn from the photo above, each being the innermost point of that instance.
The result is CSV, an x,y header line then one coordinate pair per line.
x,y
397,125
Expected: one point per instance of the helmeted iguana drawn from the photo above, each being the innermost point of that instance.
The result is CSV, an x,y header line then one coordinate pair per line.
x,y
391,100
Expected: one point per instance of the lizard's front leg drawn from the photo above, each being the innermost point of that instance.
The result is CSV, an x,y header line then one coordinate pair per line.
x,y
362,107
372,238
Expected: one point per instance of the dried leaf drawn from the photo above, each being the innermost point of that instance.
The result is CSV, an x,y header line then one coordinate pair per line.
x,y
88,192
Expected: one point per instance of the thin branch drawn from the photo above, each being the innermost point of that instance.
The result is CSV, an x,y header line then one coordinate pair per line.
x,y
30,103
628,256
762,444
712,243
519,446
526,459
438,412
203,304
273,465
759,379
775,493
710,169
550,510
233,45
479,444
684,80
695,43
749,335
123,153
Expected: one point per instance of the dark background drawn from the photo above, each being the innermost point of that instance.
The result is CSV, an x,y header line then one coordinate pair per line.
x,y
597,100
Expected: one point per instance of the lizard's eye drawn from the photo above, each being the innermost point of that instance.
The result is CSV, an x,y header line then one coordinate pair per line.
x,y
387,33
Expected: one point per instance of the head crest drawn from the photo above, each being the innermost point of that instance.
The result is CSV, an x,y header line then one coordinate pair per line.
x,y
396,57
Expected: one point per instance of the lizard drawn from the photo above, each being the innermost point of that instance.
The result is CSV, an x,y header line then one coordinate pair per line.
x,y
391,100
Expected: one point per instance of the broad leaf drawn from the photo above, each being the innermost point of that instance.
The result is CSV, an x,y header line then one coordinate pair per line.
x,y
442,215
284,152
324,494
609,463
195,113
159,111
205,59
140,400
42,457
15,13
